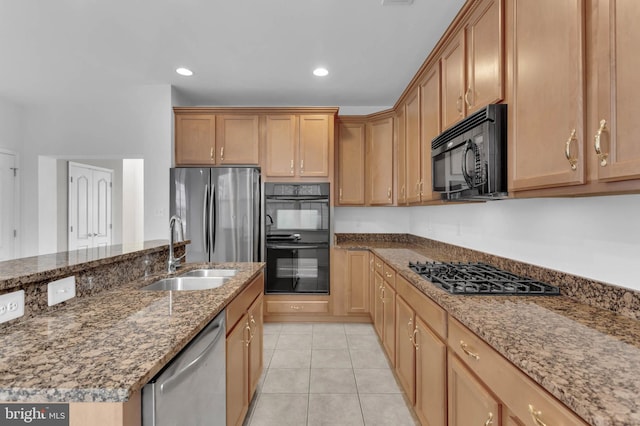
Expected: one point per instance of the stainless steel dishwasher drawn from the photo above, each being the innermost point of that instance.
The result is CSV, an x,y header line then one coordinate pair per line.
x,y
191,389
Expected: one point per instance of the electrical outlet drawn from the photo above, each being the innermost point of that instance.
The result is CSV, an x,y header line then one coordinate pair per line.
x,y
61,290
11,306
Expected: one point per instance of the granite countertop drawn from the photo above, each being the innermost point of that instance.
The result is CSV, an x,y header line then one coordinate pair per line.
x,y
105,347
587,357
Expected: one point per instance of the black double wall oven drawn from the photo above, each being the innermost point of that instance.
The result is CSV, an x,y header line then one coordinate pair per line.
x,y
297,237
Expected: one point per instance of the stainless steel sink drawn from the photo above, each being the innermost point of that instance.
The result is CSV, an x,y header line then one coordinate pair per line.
x,y
187,283
208,273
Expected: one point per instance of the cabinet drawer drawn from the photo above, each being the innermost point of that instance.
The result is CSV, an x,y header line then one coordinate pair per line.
x,y
378,265
510,385
240,305
389,275
432,314
297,307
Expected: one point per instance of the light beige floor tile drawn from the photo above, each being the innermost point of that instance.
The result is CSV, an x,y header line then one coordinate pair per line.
x,y
363,342
330,358
332,380
286,380
267,354
329,341
334,410
368,358
272,327
297,328
376,380
269,340
280,410
357,328
386,410
291,358
294,341
328,328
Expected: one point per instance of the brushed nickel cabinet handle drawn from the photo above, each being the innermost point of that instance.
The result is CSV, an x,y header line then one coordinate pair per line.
x,y
466,96
535,415
211,153
489,420
465,349
410,329
296,307
596,143
389,194
567,150
291,166
340,194
388,275
415,338
248,330
222,153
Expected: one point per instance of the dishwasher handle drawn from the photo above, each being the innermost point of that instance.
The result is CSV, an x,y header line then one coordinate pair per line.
x,y
214,332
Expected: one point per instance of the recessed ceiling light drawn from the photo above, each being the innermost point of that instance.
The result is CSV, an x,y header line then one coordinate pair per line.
x,y
184,71
320,72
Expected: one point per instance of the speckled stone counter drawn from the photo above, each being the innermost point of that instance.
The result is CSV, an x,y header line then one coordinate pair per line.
x,y
587,357
103,348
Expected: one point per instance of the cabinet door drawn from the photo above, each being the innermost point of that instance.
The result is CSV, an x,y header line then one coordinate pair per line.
x,y
412,112
372,287
351,163
546,112
485,55
237,372
281,145
401,157
469,402
431,376
389,322
195,139
405,350
378,319
255,346
618,103
357,281
452,64
314,146
430,126
380,161
238,139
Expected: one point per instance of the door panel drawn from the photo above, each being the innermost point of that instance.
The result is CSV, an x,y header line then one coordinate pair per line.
x,y
237,139
281,145
452,63
430,126
469,401
102,208
351,164
412,120
314,145
7,195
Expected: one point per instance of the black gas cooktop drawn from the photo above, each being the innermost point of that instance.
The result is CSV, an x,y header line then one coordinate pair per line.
x,y
480,278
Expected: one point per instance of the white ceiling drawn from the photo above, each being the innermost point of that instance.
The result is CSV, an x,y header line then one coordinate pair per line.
x,y
243,52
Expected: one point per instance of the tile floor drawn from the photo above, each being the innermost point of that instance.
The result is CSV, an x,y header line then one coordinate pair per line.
x,y
326,374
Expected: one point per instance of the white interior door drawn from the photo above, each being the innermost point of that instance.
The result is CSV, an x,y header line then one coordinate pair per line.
x,y
89,206
7,205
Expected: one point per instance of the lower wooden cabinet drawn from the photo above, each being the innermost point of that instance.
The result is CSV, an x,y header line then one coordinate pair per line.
x,y
244,350
350,283
384,309
470,403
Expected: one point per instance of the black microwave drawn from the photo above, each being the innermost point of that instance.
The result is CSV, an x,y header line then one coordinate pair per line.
x,y
469,160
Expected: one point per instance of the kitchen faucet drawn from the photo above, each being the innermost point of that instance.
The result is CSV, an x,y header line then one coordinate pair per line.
x,y
174,262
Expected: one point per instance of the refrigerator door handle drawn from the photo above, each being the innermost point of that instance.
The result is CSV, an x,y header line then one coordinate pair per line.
x,y
212,221
205,233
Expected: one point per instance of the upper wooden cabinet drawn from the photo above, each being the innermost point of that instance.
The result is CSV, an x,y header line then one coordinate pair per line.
x,y
379,173
452,87
195,139
237,139
547,102
430,127
351,163
401,156
298,145
615,142
413,147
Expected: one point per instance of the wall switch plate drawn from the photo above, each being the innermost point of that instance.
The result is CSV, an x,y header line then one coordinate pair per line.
x,y
11,306
61,290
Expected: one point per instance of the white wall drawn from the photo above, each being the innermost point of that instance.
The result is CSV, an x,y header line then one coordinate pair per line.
x,y
359,110
593,237
133,201
134,123
11,126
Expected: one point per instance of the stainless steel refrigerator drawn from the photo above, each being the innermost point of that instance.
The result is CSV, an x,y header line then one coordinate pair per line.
x,y
220,212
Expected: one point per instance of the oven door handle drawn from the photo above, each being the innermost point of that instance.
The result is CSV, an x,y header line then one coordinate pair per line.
x,y
291,247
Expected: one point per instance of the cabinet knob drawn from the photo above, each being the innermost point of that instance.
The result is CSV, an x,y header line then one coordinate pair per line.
x,y
573,161
535,415
465,349
596,143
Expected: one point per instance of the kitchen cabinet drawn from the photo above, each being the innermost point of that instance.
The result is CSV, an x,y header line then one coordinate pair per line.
x,y
472,63
357,282
378,312
195,141
547,100
351,163
429,127
413,148
379,155
405,349
401,157
237,139
244,349
298,145
431,377
385,307
615,144
469,401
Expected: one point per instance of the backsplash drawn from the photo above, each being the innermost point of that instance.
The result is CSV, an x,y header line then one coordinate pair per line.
x,y
92,277
620,300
